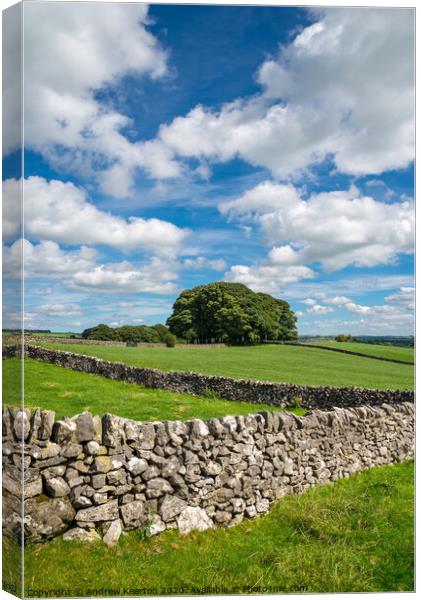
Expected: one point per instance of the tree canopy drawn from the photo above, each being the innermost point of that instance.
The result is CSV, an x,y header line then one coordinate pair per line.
x,y
128,333
231,312
342,337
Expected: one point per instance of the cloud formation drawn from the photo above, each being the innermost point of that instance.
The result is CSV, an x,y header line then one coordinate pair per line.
x,y
61,212
404,297
59,310
399,303
155,277
269,275
365,283
342,89
315,308
334,229
78,270
69,56
201,262
395,316
45,259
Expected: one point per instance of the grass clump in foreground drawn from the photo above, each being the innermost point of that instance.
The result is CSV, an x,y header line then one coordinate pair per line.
x,y
71,392
355,535
289,364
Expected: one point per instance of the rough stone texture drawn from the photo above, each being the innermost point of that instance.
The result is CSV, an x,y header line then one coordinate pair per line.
x,y
112,533
21,425
171,506
158,487
103,512
85,431
81,535
46,518
193,518
13,484
93,448
257,392
190,475
134,514
56,487
136,466
157,525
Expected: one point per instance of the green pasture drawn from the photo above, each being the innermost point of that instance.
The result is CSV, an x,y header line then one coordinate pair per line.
x,y
290,364
394,352
70,392
356,535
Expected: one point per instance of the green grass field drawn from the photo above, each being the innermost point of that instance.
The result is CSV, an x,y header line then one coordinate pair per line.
x,y
268,363
395,352
62,334
69,393
356,535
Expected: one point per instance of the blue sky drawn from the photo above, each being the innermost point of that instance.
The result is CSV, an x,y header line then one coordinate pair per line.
x,y
171,146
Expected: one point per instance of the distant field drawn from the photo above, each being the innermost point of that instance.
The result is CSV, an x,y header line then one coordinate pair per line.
x,y
62,334
356,535
395,352
289,364
69,393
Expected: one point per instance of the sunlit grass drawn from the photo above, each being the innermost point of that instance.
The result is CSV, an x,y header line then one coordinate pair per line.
x,y
308,366
394,352
70,392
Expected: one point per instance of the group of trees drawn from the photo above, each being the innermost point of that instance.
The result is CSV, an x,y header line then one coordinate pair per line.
x,y
342,337
217,312
131,333
232,313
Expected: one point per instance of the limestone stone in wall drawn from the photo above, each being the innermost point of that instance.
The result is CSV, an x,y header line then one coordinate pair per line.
x,y
187,475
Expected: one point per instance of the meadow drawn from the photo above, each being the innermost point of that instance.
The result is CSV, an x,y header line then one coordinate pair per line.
x,y
290,364
69,393
355,535
394,352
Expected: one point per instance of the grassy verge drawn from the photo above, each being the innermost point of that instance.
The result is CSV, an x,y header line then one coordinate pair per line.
x,y
394,352
352,536
290,364
70,392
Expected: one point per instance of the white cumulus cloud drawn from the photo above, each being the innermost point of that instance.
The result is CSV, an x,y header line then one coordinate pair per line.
x,y
343,88
336,229
58,310
61,212
71,52
201,262
319,309
404,297
269,275
45,259
156,277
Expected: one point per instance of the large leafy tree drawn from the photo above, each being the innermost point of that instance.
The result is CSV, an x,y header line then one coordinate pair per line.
x,y
287,322
100,332
230,312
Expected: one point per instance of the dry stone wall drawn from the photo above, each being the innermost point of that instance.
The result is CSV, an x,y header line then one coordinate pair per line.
x,y
88,476
44,339
256,392
9,351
